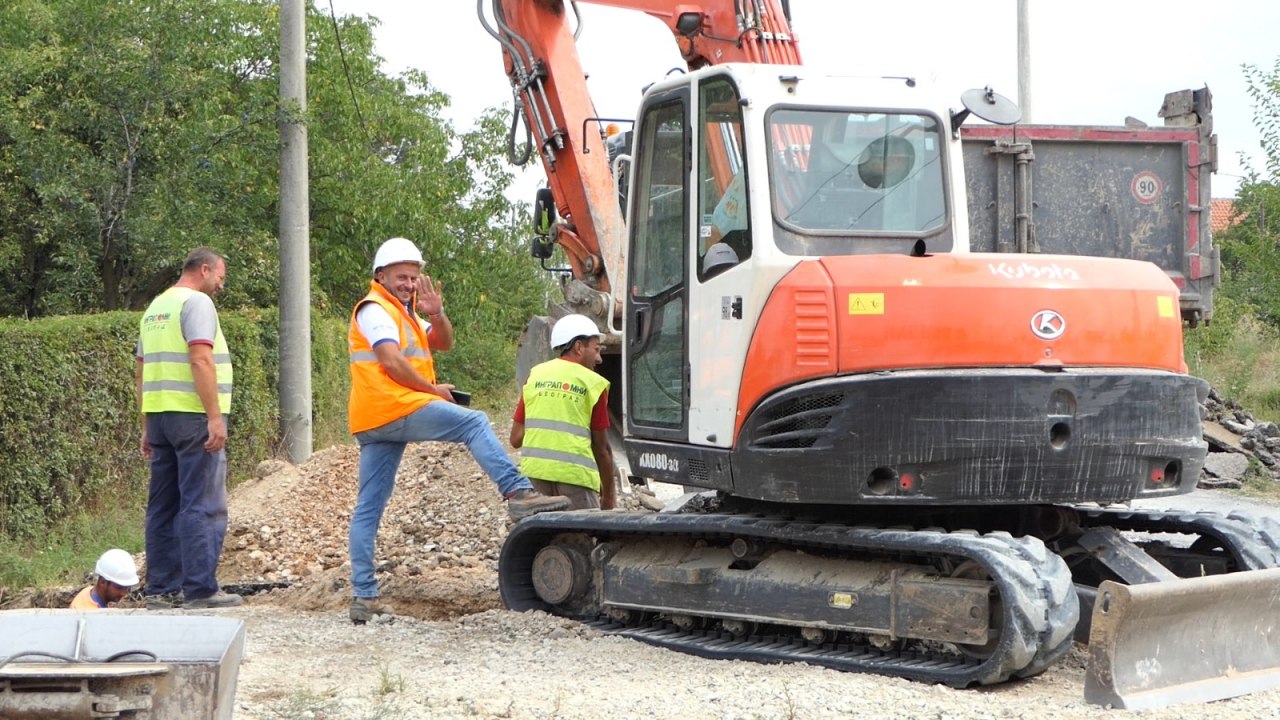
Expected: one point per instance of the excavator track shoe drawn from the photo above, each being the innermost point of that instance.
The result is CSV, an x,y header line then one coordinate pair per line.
x,y
861,599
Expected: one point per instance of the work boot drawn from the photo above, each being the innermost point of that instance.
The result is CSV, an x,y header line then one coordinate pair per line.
x,y
169,601
363,609
526,502
215,601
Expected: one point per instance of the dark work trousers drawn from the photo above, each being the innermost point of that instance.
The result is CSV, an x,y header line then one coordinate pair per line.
x,y
186,506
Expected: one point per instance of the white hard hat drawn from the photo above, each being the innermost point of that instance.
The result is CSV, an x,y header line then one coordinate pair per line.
x,y
396,250
571,327
117,566
718,255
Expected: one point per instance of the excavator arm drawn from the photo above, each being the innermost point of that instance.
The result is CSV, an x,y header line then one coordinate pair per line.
x,y
721,31
549,83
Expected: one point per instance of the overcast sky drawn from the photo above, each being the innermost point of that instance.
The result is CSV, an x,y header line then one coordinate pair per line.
x,y
1092,61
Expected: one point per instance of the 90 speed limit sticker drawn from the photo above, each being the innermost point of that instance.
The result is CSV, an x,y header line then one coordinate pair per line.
x,y
1146,187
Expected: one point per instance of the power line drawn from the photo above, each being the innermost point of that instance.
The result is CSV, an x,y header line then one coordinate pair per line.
x,y
346,71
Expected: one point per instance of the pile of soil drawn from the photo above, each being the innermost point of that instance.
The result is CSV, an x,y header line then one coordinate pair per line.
x,y
437,548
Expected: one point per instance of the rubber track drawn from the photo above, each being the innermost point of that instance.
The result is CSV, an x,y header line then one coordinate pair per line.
x,y
1040,606
1252,540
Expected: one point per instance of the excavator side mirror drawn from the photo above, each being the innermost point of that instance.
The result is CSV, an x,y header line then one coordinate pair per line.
x,y
689,23
544,212
987,105
544,219
541,248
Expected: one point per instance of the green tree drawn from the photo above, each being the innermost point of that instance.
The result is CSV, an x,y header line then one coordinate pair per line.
x,y
1251,250
1238,353
1264,89
1251,247
132,131
129,132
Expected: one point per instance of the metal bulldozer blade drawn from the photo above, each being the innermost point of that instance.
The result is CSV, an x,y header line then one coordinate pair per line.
x,y
1194,640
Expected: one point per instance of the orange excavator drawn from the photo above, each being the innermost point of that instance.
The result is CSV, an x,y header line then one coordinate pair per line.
x,y
908,454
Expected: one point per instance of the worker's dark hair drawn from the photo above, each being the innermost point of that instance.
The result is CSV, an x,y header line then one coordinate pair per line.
x,y
201,256
567,348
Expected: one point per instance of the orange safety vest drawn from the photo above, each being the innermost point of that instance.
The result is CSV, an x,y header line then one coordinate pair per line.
x,y
84,600
376,399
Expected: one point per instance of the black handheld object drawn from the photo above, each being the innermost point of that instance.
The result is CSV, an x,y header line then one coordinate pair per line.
x,y
462,398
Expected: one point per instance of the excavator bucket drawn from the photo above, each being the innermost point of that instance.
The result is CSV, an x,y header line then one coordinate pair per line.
x,y
1194,640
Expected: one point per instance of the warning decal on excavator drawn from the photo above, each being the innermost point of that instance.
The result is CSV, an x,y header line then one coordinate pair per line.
x,y
842,600
1164,305
866,303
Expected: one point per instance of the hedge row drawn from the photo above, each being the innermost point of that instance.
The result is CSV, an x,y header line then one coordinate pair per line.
x,y
69,423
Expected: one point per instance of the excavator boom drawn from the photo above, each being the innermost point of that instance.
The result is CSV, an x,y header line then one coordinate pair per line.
x,y
537,37
549,82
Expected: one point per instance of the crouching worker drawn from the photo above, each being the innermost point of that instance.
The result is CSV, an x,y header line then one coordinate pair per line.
x,y
117,575
561,422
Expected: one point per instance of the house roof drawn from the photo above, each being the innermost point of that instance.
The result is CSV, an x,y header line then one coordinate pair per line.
x,y
1221,211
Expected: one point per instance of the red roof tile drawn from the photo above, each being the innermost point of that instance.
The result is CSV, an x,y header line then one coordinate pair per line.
x,y
1221,214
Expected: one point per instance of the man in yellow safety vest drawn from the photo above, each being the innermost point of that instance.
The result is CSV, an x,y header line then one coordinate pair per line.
x,y
183,375
561,422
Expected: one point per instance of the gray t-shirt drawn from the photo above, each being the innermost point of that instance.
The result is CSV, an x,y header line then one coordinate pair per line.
x,y
199,319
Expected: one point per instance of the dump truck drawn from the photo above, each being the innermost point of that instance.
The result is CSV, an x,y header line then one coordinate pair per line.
x,y
916,365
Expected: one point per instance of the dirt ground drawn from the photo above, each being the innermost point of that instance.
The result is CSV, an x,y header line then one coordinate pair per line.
x,y
453,652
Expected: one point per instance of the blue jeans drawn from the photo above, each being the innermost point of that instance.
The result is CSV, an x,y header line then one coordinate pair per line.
x,y
380,451
186,506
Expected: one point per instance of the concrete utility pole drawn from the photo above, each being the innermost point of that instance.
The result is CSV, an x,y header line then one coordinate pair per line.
x,y
1024,59
295,244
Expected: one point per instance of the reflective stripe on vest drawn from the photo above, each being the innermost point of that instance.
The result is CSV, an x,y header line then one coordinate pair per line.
x,y
167,382
558,401
376,399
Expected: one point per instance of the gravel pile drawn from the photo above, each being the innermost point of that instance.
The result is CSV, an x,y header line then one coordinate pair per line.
x,y
1236,439
437,547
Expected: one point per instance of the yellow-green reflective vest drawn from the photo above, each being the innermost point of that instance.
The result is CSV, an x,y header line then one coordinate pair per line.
x,y
558,399
167,382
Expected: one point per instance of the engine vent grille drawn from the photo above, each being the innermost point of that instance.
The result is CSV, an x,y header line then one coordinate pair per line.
x,y
798,422
697,470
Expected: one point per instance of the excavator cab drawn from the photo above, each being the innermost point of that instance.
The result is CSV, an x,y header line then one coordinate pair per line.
x,y
778,172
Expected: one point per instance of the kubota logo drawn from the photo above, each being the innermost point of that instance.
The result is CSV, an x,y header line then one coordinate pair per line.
x,y
1048,325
